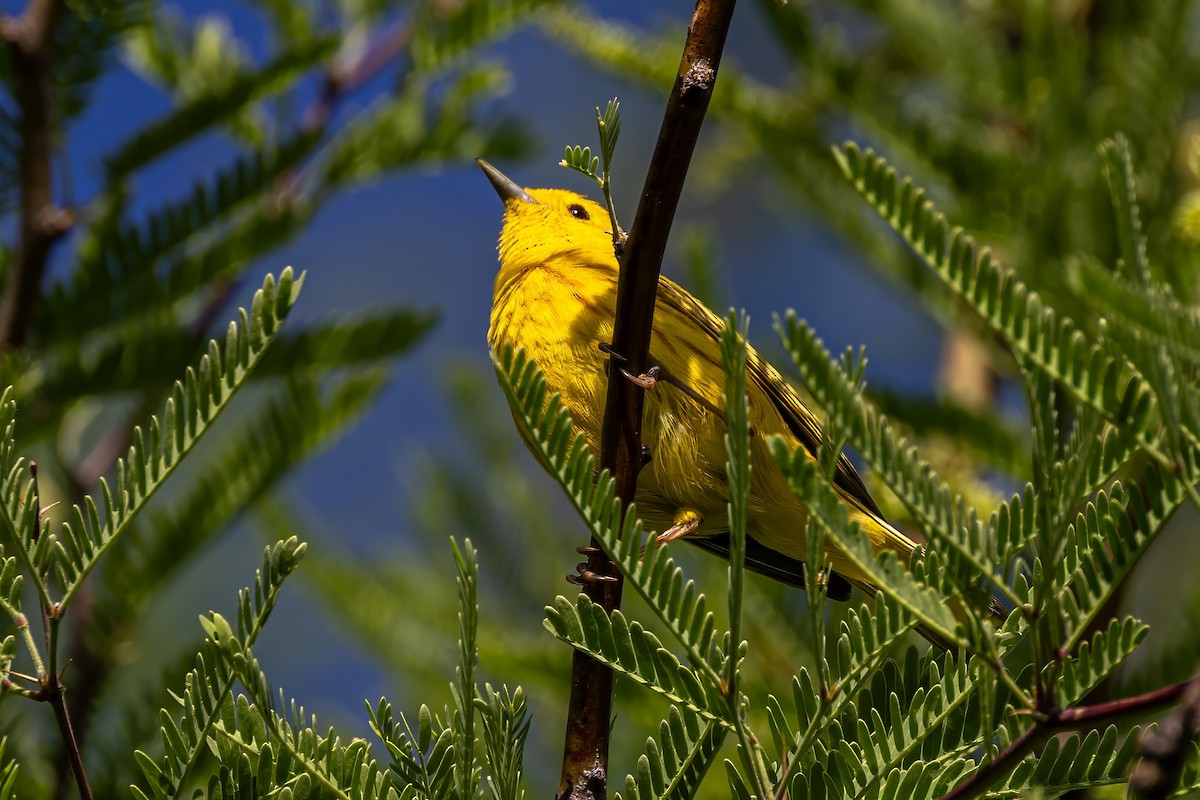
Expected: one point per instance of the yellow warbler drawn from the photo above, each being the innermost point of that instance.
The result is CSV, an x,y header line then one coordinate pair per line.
x,y
555,296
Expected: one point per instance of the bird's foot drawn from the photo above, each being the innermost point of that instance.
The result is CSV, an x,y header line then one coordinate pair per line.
x,y
656,373
585,575
646,380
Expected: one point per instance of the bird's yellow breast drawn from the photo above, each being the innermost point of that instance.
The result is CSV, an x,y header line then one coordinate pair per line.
x,y
561,312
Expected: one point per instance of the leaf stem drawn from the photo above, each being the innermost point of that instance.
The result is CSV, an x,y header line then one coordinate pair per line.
x,y
1008,680
608,140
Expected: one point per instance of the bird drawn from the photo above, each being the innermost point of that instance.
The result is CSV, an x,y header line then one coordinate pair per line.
x,y
555,296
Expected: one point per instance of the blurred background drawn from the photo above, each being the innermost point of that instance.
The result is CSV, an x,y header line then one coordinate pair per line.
x,y
202,145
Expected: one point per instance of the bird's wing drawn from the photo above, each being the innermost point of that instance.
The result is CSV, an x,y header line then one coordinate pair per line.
x,y
775,565
800,420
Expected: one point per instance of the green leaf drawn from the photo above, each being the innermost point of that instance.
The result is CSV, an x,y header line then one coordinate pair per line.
x,y
1106,540
675,763
1074,763
350,339
629,649
737,448
1118,172
506,722
188,414
884,570
462,720
1097,659
132,266
448,32
1092,373
971,550
646,567
205,699
284,431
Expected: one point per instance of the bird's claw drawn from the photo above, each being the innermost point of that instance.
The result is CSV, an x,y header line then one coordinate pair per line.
x,y
646,380
585,576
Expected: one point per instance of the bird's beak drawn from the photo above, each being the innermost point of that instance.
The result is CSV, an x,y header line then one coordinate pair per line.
x,y
508,190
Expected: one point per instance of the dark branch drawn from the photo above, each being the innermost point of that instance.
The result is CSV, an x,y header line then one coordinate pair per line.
x,y
1078,718
30,42
585,757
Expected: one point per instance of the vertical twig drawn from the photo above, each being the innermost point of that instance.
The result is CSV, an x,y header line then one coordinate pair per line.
x,y
30,42
585,756
52,690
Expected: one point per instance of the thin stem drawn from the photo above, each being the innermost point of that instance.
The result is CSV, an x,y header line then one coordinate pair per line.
x,y
1008,680
8,687
606,145
806,740
341,80
1165,750
585,756
52,690
28,568
23,628
751,752
56,696
755,762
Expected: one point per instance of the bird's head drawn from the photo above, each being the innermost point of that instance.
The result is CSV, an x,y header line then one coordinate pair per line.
x,y
549,225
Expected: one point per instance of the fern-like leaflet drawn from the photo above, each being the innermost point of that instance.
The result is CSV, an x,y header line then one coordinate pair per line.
x,y
206,696
675,763
1095,374
187,416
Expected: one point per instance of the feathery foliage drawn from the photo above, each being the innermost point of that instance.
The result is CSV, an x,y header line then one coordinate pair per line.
x,y
997,112
210,108
206,698
194,404
438,759
675,763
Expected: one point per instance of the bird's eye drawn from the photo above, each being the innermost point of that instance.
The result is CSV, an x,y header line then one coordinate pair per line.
x,y
578,212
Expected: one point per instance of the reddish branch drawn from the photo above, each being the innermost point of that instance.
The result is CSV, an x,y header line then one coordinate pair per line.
x,y
585,756
1078,718
30,42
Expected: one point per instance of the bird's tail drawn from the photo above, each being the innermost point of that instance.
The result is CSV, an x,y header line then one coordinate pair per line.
x,y
790,571
886,537
996,613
